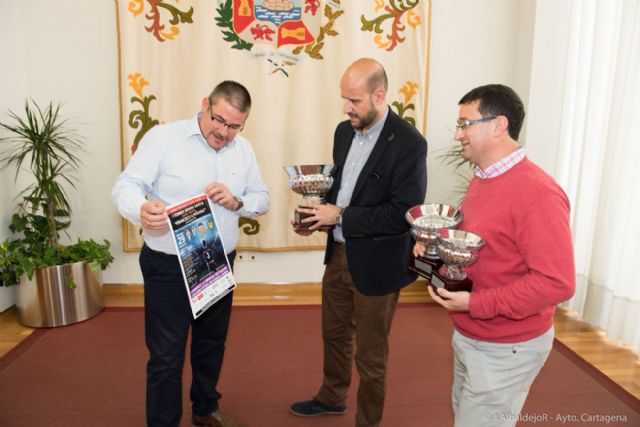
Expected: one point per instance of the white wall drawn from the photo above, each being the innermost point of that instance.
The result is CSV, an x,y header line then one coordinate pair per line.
x,y
13,84
550,51
67,50
472,43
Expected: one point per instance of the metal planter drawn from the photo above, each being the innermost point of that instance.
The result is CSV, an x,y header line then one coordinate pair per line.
x,y
48,300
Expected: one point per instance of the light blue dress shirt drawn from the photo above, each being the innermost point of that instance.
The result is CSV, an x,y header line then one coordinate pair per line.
x,y
174,162
359,152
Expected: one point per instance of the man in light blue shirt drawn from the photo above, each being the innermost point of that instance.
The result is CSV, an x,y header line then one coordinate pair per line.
x,y
173,162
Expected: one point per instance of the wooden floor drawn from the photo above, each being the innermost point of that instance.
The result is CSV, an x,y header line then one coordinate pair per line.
x,y
620,364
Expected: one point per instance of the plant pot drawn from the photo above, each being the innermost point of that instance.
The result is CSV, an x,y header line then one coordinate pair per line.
x,y
47,300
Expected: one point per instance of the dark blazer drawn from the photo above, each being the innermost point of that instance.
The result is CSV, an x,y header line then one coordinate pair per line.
x,y
393,179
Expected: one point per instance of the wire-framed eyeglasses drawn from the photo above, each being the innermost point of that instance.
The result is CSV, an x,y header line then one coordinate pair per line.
x,y
464,124
222,122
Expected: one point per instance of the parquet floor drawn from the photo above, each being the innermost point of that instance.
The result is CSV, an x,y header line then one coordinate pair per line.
x,y
617,362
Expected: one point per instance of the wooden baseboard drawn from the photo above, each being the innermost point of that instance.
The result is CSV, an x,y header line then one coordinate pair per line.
x,y
118,295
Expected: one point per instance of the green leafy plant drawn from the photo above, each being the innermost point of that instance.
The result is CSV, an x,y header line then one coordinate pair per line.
x,y
463,169
48,146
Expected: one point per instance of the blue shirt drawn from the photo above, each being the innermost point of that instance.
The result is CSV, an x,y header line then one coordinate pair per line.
x,y
174,162
359,152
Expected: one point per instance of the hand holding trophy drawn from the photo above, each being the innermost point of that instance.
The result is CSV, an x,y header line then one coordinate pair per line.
x,y
447,250
313,182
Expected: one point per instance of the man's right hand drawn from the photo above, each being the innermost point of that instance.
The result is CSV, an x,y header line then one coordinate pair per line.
x,y
153,216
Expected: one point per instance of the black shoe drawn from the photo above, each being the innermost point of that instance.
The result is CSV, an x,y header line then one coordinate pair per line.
x,y
313,408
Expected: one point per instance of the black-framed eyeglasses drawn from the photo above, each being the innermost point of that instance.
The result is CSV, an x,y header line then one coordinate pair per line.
x,y
464,124
222,122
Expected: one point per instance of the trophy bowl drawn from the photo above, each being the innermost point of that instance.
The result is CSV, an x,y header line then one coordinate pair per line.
x,y
313,182
426,220
457,249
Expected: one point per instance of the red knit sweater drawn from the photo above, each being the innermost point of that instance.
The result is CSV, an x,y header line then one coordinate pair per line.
x,y
527,265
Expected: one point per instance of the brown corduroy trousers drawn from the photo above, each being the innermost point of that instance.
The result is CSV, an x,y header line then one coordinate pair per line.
x,y
346,311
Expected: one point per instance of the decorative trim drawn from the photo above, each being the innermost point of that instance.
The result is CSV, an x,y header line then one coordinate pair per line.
x,y
426,88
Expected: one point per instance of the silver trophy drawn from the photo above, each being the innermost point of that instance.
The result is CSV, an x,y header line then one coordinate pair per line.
x,y
457,249
425,221
313,182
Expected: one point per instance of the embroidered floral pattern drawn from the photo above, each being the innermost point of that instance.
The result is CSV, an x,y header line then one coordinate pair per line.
x,y
156,27
393,14
140,118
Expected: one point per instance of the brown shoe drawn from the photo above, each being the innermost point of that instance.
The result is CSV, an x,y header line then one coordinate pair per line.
x,y
217,419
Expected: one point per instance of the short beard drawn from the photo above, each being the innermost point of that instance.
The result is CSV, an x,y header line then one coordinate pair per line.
x,y
366,120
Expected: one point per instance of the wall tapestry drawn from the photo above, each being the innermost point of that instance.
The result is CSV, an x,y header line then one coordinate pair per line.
x,y
290,54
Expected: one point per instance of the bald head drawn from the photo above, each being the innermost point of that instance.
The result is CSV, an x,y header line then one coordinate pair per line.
x,y
364,87
368,72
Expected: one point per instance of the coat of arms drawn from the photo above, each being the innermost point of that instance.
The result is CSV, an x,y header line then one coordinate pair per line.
x,y
285,29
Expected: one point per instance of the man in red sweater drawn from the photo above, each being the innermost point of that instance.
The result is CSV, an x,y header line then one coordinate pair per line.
x,y
504,327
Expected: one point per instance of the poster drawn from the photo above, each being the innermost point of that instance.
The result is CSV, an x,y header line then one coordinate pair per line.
x,y
203,260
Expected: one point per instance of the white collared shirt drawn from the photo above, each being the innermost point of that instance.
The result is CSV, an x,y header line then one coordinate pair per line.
x,y
174,162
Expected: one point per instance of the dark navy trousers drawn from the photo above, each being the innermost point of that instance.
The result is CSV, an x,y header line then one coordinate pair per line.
x,y
168,319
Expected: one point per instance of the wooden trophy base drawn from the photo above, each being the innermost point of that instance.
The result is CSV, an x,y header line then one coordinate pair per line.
x,y
425,267
299,216
440,280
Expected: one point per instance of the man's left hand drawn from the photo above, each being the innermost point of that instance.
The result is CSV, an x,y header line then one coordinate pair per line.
x,y
220,194
322,215
452,301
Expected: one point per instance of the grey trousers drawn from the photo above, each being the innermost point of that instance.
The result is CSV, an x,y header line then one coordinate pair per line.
x,y
491,380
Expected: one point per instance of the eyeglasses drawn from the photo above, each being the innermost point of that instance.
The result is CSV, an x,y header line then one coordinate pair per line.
x,y
222,122
464,124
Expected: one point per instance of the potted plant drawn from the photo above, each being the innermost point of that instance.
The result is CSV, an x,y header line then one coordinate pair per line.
x,y
59,284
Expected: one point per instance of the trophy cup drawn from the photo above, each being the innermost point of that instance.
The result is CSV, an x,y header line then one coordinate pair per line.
x,y
425,221
456,249
313,182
